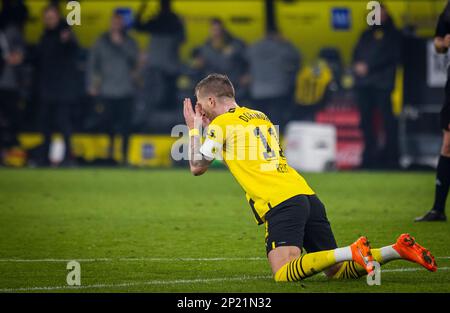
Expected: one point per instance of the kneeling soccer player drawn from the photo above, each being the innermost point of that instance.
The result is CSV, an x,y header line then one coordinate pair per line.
x,y
280,198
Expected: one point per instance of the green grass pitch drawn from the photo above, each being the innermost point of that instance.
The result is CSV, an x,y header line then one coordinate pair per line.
x,y
167,231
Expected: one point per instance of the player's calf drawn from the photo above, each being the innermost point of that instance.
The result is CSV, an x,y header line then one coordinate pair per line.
x,y
312,263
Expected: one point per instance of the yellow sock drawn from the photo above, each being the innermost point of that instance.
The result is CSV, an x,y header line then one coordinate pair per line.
x,y
313,263
305,266
376,253
352,270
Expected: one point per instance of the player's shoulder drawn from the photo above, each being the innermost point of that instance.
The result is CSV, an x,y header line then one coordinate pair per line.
x,y
253,116
239,115
230,115
219,126
243,113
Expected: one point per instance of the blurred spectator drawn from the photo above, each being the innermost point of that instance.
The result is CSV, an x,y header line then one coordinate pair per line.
x,y
112,62
57,54
13,13
167,35
195,68
442,182
274,63
222,53
12,54
375,59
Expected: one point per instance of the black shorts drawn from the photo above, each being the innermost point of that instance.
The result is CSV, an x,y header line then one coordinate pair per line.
x,y
300,221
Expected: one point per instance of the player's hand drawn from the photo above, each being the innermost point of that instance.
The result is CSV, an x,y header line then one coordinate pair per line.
x,y
14,58
447,41
65,35
193,119
439,45
361,69
93,91
205,119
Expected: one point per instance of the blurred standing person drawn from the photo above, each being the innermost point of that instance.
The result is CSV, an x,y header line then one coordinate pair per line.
x,y
273,63
167,35
442,183
57,54
111,66
12,47
14,13
375,60
223,53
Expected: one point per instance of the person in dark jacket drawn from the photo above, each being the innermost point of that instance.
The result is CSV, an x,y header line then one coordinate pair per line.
x,y
274,62
167,35
224,53
13,13
375,60
112,63
57,54
442,182
12,48
13,16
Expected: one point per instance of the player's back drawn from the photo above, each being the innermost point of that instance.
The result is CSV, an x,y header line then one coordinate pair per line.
x,y
253,154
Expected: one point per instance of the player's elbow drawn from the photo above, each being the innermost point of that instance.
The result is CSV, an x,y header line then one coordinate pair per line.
x,y
197,171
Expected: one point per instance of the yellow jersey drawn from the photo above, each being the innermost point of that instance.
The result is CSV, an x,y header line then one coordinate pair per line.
x,y
248,144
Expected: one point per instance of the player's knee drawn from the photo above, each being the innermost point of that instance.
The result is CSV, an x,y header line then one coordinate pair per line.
x,y
280,256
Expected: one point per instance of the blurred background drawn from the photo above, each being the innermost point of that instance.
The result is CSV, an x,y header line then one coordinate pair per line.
x,y
109,91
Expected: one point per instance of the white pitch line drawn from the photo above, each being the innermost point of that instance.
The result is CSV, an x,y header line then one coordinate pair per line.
x,y
143,259
14,260
191,259
411,269
143,283
178,281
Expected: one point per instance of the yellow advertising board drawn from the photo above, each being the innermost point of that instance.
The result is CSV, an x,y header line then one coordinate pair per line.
x,y
143,150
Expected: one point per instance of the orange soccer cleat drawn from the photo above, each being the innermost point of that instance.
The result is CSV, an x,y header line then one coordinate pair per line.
x,y
410,250
361,253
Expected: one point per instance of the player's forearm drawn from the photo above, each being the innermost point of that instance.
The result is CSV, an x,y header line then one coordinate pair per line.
x,y
197,161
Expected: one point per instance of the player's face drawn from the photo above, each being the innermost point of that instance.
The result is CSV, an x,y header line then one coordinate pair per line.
x,y
117,23
207,105
216,30
51,18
